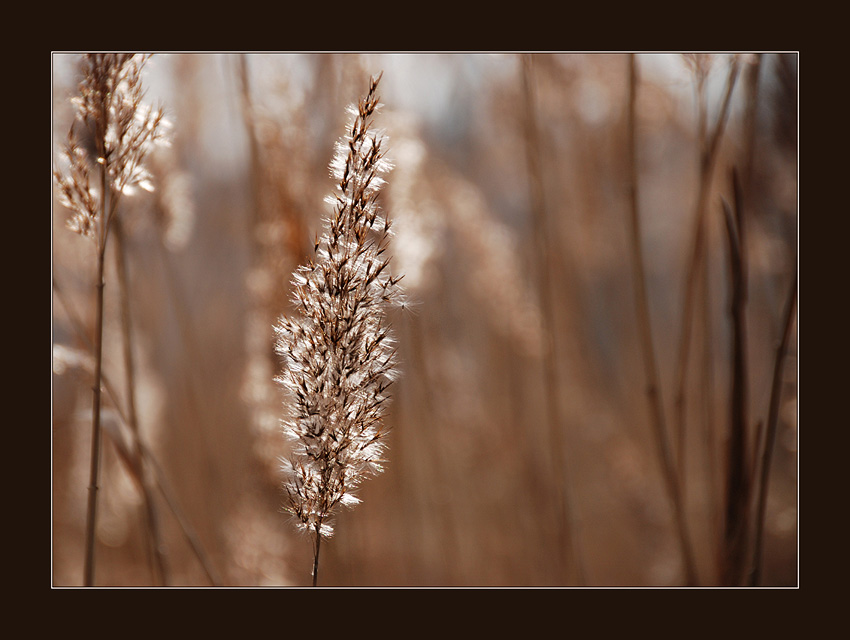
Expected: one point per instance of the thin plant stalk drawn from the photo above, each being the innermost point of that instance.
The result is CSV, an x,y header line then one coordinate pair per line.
x,y
317,545
94,470
751,80
151,517
653,387
706,370
566,512
738,472
707,397
709,147
768,439
185,524
146,455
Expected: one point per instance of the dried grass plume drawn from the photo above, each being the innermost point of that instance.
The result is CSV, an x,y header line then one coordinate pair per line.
x,y
338,355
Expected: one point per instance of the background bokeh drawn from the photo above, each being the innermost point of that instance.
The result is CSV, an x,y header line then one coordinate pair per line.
x,y
506,406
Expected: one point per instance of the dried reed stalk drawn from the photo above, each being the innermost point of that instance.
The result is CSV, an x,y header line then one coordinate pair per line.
x,y
709,143
338,355
653,387
751,82
767,437
566,516
112,135
738,471
145,455
151,516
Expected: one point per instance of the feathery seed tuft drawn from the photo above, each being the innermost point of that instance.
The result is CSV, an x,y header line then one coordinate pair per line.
x,y
339,355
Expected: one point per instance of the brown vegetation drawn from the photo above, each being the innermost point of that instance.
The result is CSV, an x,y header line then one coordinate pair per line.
x,y
596,351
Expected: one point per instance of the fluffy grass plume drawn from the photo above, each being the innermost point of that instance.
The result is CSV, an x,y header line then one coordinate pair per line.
x,y
338,354
113,133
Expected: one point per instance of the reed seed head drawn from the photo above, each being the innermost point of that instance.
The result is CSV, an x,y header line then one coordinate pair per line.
x,y
113,132
338,354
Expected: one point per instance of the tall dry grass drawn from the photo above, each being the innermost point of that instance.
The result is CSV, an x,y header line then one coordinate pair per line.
x,y
525,448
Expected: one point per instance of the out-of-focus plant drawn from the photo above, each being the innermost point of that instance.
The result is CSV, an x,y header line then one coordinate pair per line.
x,y
104,155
